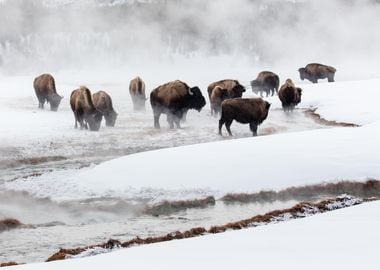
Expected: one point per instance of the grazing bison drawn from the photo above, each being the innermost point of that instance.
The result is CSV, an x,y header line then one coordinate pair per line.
x,y
84,110
289,95
266,82
103,103
218,94
174,98
44,86
234,89
314,71
137,92
252,111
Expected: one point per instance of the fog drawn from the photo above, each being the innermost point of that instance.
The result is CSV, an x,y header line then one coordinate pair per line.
x,y
50,35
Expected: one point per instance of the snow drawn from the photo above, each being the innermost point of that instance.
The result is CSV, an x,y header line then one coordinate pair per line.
x,y
265,162
298,244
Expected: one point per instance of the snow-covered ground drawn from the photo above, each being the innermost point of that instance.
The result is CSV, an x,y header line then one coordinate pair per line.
x,y
344,239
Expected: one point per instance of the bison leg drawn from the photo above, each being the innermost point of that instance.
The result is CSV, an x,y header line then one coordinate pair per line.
x,y
170,119
330,78
228,125
221,123
253,128
156,115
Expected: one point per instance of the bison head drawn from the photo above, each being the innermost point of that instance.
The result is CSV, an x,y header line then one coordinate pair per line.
x,y
197,100
94,120
303,73
110,118
237,91
54,101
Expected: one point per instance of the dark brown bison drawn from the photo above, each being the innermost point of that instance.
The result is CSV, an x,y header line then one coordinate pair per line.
x,y
234,88
266,82
290,95
313,72
44,86
174,98
252,111
137,92
103,103
218,94
84,110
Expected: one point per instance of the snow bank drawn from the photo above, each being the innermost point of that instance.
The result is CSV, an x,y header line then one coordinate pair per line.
x,y
299,244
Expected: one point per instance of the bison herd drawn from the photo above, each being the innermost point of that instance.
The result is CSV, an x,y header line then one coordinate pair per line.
x,y
175,98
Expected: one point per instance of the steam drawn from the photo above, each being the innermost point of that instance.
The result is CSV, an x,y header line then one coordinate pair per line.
x,y
52,34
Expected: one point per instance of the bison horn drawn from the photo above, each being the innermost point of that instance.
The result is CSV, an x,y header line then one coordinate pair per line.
x,y
190,92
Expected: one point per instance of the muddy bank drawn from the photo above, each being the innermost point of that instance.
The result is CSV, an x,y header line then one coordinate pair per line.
x,y
300,210
311,113
368,189
9,224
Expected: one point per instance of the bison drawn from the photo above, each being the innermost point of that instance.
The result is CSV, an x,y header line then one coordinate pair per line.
x,y
289,95
44,86
234,89
84,110
252,111
313,72
137,92
103,103
218,94
266,82
174,98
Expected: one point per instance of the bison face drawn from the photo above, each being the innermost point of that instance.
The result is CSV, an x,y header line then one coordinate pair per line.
x,y
237,91
55,100
94,120
110,119
255,86
302,72
197,100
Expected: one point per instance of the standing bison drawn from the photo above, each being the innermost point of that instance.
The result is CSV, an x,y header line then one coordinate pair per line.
x,y
84,110
103,103
314,72
44,86
218,94
252,111
174,98
289,95
266,82
137,92
234,89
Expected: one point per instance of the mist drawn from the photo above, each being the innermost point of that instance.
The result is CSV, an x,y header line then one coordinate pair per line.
x,y
52,35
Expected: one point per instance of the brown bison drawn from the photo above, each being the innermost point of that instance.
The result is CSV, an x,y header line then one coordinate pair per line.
x,y
252,111
137,92
174,99
44,86
103,103
218,94
234,88
84,110
266,82
290,95
314,72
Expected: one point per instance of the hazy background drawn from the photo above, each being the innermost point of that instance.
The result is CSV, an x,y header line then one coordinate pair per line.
x,y
52,35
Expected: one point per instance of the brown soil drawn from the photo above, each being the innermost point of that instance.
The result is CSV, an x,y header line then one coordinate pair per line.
x,y
368,189
318,119
298,211
8,264
167,207
12,163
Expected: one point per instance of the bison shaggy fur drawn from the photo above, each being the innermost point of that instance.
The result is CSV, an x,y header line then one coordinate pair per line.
x,y
137,92
174,99
103,103
313,72
84,109
252,111
290,95
44,87
266,82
